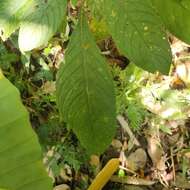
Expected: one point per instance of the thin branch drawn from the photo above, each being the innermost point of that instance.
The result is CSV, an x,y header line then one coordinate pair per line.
x,y
126,127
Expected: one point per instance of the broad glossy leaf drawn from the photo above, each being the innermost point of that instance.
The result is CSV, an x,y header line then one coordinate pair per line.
x,y
41,24
138,33
85,92
20,154
11,14
176,16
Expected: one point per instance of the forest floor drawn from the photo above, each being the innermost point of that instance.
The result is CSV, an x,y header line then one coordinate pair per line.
x,y
153,119
153,122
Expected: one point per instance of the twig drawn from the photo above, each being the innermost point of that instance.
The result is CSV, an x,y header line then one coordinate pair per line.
x,y
126,127
132,180
128,170
173,164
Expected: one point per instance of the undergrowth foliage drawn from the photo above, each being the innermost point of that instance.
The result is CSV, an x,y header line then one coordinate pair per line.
x,y
85,90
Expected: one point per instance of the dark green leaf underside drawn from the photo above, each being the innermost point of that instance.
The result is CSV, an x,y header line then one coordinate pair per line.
x,y
176,16
85,92
138,33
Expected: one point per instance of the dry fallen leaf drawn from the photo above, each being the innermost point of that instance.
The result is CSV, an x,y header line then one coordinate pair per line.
x,y
183,71
49,87
155,152
116,144
94,160
136,160
154,148
181,182
62,187
187,154
64,176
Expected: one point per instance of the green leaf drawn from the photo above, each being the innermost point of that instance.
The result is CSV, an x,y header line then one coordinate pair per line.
x,y
165,129
11,14
38,20
85,91
136,115
138,33
20,154
41,24
176,16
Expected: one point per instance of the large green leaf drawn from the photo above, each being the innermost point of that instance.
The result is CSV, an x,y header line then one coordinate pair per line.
x,y
38,20
138,33
176,16
85,92
20,154
12,12
41,24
